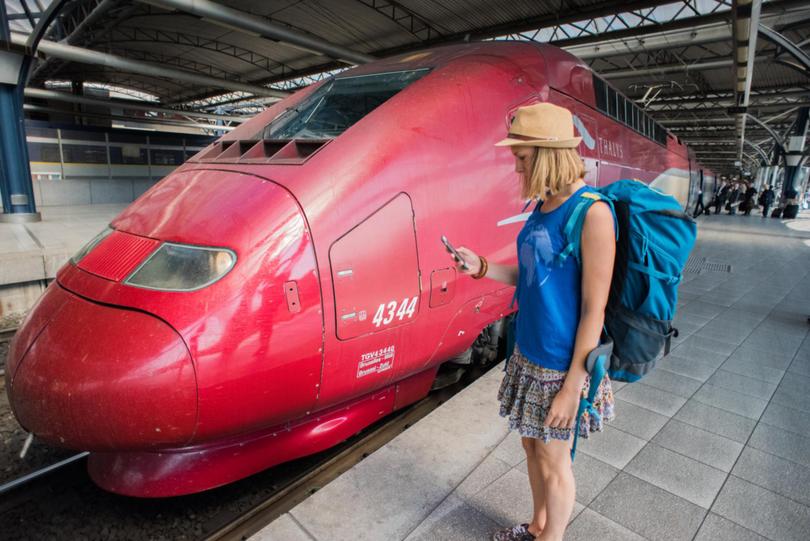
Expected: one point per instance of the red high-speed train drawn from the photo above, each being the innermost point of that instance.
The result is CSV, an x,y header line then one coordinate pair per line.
x,y
287,286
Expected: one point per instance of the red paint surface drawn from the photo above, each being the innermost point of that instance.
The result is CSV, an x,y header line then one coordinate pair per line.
x,y
257,364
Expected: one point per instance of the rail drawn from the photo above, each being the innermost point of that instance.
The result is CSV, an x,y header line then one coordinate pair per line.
x,y
7,334
27,478
298,490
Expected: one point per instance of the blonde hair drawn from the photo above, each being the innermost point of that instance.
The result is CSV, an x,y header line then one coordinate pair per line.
x,y
553,169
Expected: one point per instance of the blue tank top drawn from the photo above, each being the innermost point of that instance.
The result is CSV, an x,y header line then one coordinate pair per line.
x,y
549,291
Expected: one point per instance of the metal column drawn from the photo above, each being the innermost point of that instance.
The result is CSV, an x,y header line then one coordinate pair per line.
x,y
15,171
793,159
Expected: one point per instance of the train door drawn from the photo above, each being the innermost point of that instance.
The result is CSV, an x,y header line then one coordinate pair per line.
x,y
375,274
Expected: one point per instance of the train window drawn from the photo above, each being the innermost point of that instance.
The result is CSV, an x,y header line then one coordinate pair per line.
x,y
636,121
660,134
338,105
43,152
622,116
600,93
83,135
84,154
123,137
34,131
167,140
128,154
198,141
611,99
166,157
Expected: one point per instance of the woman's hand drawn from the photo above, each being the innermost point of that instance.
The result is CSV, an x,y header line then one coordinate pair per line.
x,y
471,258
563,411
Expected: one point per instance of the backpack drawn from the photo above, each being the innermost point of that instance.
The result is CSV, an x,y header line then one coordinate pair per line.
x,y
654,239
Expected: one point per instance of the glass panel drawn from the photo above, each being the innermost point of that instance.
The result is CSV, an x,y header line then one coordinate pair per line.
x,y
133,154
43,152
84,154
599,90
34,131
611,95
622,107
167,157
83,135
198,140
124,137
338,105
168,140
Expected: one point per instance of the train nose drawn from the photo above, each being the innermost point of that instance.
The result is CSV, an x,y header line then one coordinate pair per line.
x,y
100,378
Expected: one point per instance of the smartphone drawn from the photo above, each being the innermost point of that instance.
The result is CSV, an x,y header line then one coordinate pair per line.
x,y
454,252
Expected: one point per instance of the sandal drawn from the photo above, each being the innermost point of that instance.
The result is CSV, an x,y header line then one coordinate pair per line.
x,y
515,533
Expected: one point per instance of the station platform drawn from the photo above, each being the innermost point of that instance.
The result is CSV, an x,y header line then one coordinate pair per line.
x,y
713,445
36,250
31,253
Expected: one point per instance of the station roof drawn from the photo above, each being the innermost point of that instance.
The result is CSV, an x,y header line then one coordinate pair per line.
x,y
686,62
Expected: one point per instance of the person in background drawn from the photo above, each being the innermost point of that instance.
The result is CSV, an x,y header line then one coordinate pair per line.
x,y
699,208
748,200
733,195
562,311
722,195
766,200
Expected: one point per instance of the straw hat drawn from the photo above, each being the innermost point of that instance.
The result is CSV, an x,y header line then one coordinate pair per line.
x,y
542,125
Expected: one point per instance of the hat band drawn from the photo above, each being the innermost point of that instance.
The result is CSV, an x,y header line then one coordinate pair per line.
x,y
531,137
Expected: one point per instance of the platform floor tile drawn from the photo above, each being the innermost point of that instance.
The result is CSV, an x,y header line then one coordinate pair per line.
x,y
714,445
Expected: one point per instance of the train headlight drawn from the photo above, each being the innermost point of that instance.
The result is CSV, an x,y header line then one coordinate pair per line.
x,y
178,267
90,245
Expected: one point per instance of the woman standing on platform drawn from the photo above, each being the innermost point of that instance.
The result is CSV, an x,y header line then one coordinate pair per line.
x,y
562,310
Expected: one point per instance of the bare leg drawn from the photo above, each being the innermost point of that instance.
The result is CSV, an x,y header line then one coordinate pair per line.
x,y
538,521
558,480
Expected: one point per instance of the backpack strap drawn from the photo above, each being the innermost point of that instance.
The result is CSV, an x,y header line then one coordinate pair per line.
x,y
573,227
597,374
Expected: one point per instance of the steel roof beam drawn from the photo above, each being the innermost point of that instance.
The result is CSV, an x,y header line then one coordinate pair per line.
x,y
38,93
147,120
715,120
99,11
604,9
781,41
139,35
405,18
746,24
87,56
660,70
762,92
242,21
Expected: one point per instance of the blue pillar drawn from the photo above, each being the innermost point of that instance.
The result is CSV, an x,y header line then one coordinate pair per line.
x,y
793,160
15,170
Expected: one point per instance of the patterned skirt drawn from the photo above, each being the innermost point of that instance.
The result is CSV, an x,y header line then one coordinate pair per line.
x,y
526,394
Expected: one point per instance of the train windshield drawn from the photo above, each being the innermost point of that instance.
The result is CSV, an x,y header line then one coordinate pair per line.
x,y
338,104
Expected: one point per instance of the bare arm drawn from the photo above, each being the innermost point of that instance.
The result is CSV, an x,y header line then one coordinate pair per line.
x,y
508,274
598,253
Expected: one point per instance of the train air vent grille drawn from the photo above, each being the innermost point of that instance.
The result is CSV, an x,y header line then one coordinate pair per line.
x,y
117,255
264,151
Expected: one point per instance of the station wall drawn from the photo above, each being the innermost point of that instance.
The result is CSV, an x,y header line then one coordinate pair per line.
x,y
86,166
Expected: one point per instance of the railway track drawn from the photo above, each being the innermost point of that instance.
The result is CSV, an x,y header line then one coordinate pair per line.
x,y
299,489
36,475
63,492
7,334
